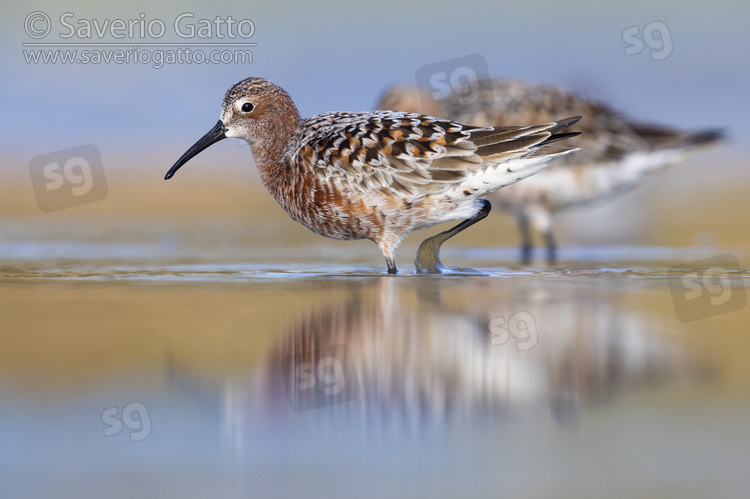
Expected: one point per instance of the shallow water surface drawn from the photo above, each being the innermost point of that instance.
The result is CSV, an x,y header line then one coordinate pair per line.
x,y
142,375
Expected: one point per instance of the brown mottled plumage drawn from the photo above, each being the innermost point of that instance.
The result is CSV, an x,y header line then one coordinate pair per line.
x,y
381,174
615,152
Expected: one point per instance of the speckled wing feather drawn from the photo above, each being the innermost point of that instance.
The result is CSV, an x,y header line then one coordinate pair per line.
x,y
607,136
410,153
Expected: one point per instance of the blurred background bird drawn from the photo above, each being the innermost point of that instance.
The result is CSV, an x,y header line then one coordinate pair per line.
x,y
616,151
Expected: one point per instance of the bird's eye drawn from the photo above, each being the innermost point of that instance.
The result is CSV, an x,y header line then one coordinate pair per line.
x,y
247,107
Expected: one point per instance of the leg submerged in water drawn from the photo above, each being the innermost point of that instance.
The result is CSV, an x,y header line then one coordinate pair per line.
x,y
428,254
551,247
538,218
526,243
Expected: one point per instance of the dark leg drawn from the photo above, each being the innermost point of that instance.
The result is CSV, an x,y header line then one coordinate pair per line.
x,y
551,247
428,254
526,243
391,265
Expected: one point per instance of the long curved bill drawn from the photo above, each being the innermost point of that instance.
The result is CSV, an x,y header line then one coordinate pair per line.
x,y
217,133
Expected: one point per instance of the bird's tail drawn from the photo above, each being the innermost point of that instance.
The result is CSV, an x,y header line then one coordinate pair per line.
x,y
666,147
660,137
511,154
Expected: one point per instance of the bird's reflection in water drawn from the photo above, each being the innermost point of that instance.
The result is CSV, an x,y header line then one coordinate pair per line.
x,y
411,354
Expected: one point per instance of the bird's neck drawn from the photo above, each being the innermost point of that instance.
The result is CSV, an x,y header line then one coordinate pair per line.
x,y
269,150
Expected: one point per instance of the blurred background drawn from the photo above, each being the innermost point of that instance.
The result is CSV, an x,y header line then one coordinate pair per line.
x,y
145,329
